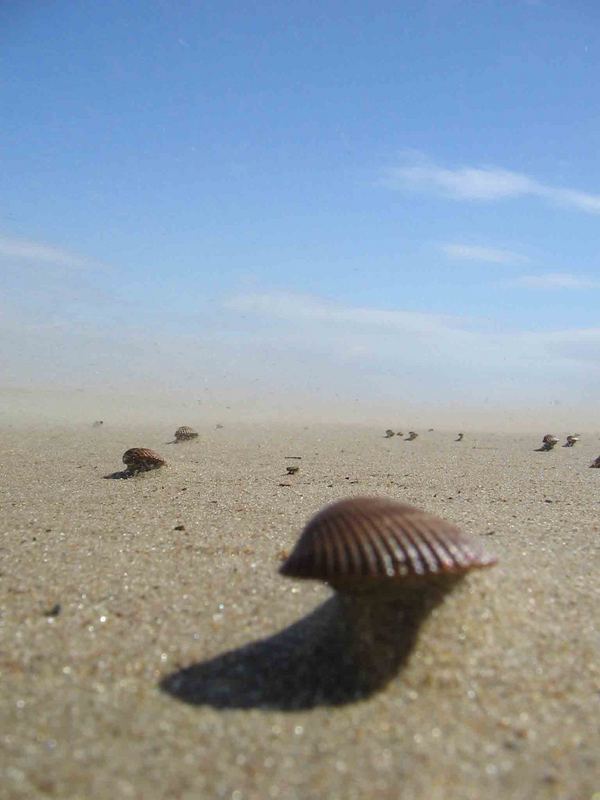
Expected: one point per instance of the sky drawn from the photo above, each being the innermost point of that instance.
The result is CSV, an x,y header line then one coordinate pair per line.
x,y
346,209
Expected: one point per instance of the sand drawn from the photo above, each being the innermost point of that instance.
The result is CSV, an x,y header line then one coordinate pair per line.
x,y
116,622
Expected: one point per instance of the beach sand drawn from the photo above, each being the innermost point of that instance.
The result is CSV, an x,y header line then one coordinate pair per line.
x,y
498,698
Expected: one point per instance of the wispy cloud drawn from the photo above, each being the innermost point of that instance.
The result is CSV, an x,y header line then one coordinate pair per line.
x,y
430,341
557,280
290,306
485,183
492,255
293,352
30,251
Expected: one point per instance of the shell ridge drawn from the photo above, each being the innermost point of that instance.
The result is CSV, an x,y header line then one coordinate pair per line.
x,y
430,543
445,548
359,522
384,560
425,553
349,543
415,561
363,544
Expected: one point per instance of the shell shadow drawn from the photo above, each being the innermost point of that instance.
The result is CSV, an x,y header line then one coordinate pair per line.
x,y
342,652
121,475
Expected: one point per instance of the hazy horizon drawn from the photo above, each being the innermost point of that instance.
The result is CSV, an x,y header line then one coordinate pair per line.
x,y
80,408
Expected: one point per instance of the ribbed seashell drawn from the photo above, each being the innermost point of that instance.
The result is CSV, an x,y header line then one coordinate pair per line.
x,y
184,433
375,541
141,459
596,464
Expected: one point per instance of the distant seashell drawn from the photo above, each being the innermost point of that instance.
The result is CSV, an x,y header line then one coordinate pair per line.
x,y
550,439
572,440
142,459
460,437
185,433
411,435
373,542
389,433
98,423
292,470
596,464
548,442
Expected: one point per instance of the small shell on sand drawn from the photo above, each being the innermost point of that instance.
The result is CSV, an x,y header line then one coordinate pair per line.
x,y
185,433
548,442
596,464
142,459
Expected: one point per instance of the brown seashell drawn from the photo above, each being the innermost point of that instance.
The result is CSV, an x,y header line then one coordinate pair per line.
x,y
411,436
572,440
374,541
550,439
460,437
389,433
185,433
142,459
292,470
596,464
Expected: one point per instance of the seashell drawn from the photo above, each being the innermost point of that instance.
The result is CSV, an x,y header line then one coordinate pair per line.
x,y
596,464
142,459
389,433
292,470
548,442
460,437
98,423
550,439
185,433
572,440
411,435
375,542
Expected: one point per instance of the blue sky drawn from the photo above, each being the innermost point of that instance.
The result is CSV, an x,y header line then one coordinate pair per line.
x,y
366,203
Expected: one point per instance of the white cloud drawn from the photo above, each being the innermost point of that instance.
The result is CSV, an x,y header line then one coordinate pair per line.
x,y
426,341
486,183
493,255
557,280
289,306
27,250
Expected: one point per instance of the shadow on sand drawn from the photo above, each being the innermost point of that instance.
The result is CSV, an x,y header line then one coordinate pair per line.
x,y
117,476
344,651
